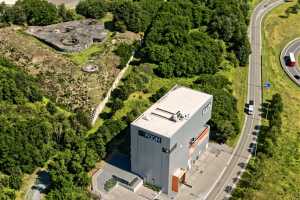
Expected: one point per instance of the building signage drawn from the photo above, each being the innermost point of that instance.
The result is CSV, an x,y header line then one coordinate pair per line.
x,y
149,136
206,109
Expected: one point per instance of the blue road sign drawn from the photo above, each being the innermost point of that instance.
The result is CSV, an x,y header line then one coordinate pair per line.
x,y
267,85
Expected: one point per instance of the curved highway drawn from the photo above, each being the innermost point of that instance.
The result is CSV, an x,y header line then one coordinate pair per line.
x,y
292,72
242,152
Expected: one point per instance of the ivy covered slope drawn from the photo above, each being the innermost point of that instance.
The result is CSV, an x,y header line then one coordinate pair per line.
x,y
32,130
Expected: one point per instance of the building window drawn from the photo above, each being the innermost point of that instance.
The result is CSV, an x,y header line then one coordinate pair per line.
x,y
149,136
165,150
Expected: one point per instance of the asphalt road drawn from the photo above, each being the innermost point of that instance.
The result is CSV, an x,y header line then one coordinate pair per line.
x,y
242,152
292,72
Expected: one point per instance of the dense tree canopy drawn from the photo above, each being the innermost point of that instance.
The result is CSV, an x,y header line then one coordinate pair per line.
x,y
224,121
91,8
31,132
38,12
34,12
124,51
134,16
185,37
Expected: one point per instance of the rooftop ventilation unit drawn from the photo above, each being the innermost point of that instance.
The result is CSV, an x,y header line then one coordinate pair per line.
x,y
178,116
147,118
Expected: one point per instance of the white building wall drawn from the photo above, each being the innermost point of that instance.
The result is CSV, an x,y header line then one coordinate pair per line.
x,y
157,167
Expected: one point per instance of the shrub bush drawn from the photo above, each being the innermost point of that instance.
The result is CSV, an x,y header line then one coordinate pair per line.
x,y
109,184
124,51
161,92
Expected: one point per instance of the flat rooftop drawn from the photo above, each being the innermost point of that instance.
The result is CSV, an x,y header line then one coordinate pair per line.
x,y
172,111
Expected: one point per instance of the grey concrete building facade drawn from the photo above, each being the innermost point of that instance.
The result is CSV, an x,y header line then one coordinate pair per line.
x,y
168,137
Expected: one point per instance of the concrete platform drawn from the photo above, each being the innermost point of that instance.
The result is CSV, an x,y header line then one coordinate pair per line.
x,y
120,193
118,168
204,173
72,36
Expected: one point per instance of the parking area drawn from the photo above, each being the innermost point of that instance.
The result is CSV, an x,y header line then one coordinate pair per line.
x,y
200,179
119,192
204,173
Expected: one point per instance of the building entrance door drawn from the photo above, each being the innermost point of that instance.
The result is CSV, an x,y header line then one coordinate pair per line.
x,y
177,179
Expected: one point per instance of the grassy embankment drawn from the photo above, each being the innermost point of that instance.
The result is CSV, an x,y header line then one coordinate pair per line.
x,y
280,174
238,77
254,3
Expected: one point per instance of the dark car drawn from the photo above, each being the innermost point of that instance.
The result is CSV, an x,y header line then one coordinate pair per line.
x,y
252,147
297,77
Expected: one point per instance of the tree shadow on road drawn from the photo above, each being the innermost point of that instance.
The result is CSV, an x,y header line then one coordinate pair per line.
x,y
265,109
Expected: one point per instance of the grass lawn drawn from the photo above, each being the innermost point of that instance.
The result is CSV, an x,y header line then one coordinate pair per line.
x,y
281,173
82,57
96,126
155,84
253,3
239,78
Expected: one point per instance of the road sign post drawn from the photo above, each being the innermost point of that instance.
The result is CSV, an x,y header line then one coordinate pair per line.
x,y
267,85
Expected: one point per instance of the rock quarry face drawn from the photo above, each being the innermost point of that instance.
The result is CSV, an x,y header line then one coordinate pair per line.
x,y
73,36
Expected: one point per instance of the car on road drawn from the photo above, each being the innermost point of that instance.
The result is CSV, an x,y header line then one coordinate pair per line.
x,y
252,147
297,77
228,189
251,107
291,60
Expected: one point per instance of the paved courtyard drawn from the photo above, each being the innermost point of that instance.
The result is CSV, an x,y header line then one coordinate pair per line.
x,y
204,173
201,178
121,193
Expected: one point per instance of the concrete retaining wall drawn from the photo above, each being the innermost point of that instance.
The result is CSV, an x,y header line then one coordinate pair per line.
x,y
101,106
